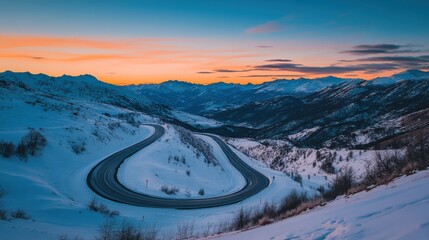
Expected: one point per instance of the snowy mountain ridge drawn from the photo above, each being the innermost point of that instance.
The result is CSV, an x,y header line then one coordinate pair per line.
x,y
345,115
203,99
408,75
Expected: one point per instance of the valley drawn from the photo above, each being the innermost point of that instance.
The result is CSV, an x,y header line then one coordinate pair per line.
x,y
113,155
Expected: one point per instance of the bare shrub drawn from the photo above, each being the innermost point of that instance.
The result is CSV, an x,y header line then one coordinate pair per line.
x,y
264,221
242,219
201,192
67,237
223,226
269,210
21,151
106,231
293,200
3,215
150,233
169,190
101,208
128,231
6,149
341,184
78,146
207,229
19,214
185,230
110,230
34,141
297,178
130,118
199,145
93,205
308,204
328,166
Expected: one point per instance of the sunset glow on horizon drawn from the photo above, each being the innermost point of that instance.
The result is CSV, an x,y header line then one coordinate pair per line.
x,y
203,43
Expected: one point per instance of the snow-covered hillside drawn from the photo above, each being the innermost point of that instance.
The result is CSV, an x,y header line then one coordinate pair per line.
x,y
84,88
318,166
398,210
410,75
172,164
80,130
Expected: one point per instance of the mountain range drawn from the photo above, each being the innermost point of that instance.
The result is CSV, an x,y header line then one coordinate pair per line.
x,y
323,112
204,99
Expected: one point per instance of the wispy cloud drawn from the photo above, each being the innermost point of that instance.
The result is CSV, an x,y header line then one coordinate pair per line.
x,y
204,72
292,67
381,49
419,62
270,75
267,27
231,70
278,60
397,59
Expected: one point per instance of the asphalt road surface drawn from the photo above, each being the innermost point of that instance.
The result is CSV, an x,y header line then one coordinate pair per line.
x,y
103,180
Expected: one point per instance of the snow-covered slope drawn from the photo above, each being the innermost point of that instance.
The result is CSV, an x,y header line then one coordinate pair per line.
x,y
205,99
408,75
301,85
349,115
84,88
398,210
173,164
318,166
82,127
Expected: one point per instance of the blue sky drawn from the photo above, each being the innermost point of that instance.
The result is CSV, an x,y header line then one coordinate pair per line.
x,y
244,24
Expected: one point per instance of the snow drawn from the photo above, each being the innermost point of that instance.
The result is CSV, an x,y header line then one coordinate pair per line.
x,y
151,164
281,156
398,210
195,120
51,187
54,193
408,75
300,85
303,133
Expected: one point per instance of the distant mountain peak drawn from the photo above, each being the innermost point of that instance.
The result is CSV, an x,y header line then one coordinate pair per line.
x,y
415,73
407,75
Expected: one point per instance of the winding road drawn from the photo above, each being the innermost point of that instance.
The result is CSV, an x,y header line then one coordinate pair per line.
x,y
103,180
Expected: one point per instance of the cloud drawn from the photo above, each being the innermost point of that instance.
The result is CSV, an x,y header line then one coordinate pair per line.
x,y
368,68
270,75
37,58
204,72
326,69
264,46
278,60
267,27
419,62
397,59
381,49
230,70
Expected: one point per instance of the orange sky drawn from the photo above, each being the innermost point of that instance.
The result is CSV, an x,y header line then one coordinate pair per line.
x,y
154,60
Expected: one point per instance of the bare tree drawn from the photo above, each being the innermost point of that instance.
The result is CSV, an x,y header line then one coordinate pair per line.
x,y
34,141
